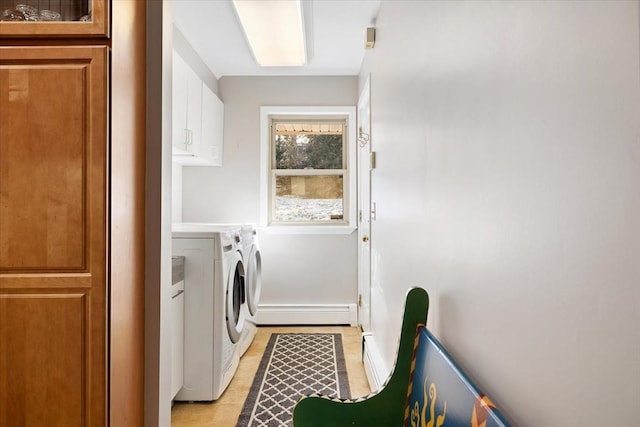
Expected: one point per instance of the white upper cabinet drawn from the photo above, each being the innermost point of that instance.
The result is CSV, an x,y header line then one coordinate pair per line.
x,y
180,132
212,123
198,117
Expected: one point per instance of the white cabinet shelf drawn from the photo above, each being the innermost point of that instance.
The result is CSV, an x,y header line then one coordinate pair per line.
x,y
198,118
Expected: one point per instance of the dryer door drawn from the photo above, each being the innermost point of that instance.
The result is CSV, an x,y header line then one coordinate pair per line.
x,y
254,281
235,297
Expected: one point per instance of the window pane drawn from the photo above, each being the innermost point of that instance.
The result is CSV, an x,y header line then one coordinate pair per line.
x,y
308,146
309,198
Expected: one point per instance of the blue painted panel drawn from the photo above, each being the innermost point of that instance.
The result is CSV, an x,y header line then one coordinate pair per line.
x,y
440,393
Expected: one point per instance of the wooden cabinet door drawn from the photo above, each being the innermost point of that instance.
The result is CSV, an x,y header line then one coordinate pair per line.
x,y
53,242
68,26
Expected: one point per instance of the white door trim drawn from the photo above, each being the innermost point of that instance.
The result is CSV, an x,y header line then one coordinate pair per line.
x,y
364,207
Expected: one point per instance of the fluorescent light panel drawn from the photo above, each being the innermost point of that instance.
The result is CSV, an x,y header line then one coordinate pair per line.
x,y
274,30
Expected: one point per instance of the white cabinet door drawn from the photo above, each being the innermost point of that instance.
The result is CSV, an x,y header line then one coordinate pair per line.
x,y
194,111
198,117
212,124
180,132
177,340
186,108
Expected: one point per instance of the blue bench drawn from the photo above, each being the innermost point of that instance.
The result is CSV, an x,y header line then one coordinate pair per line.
x,y
440,394
425,389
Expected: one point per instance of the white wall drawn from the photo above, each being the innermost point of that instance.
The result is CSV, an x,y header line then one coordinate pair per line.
x,y
507,185
297,269
176,192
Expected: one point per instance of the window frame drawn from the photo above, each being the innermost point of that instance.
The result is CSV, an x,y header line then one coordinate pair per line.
x,y
267,175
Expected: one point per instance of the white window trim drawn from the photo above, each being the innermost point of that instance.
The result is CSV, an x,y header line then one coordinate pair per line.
x,y
265,168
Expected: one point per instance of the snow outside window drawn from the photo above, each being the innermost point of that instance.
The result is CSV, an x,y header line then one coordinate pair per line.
x,y
308,177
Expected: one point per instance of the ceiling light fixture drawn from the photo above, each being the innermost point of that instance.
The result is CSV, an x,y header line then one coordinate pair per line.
x,y
274,30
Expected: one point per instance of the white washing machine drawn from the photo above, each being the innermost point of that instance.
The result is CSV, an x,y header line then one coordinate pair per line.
x,y
214,296
253,284
252,260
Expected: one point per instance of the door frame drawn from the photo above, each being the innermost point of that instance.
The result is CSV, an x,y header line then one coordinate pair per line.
x,y
364,206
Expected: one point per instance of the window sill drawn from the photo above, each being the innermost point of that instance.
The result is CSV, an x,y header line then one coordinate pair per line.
x,y
308,229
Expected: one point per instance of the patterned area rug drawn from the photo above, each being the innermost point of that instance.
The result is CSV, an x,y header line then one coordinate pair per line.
x,y
294,365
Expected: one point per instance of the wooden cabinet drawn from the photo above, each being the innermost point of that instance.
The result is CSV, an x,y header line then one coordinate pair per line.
x,y
197,118
94,15
53,217
72,215
53,212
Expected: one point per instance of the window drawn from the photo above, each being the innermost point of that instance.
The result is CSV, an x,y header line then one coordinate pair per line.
x,y
308,181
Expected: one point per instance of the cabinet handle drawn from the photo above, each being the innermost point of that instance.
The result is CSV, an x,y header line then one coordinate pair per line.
x,y
186,138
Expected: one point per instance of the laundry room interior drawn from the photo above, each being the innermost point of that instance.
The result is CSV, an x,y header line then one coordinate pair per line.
x,y
488,154
310,274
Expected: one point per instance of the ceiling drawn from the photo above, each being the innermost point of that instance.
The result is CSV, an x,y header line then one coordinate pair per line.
x,y
338,34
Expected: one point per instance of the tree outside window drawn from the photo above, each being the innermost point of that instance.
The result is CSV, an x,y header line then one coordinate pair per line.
x,y
308,171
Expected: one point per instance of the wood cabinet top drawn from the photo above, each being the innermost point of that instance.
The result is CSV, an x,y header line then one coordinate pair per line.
x,y
97,26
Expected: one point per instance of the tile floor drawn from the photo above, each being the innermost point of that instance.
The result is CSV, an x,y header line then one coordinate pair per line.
x,y
225,411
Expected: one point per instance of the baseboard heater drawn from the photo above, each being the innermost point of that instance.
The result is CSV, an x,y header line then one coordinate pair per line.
x,y
307,314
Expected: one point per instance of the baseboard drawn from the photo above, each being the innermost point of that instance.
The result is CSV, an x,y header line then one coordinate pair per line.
x,y
373,364
307,314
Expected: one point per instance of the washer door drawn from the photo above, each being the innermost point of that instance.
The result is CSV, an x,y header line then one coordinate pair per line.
x,y
235,297
254,280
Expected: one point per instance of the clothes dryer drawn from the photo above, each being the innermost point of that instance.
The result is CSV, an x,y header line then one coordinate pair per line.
x,y
252,260
214,296
253,284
